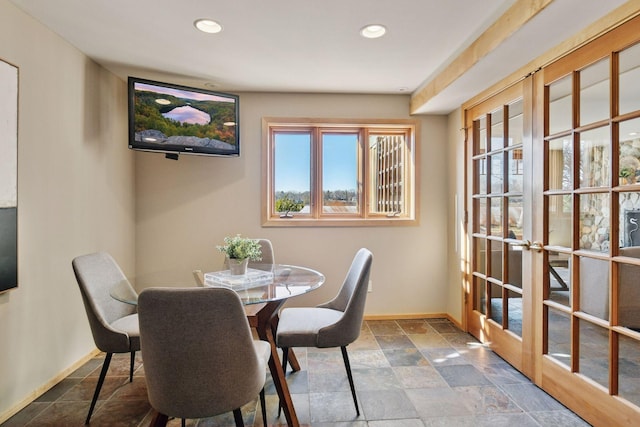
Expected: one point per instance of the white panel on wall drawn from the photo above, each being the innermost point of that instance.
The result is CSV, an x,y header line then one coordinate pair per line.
x,y
8,134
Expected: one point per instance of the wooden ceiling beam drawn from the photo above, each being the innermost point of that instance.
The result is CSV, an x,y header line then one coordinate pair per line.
x,y
512,20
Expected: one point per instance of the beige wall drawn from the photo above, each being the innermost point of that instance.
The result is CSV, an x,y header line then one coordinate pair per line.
x,y
185,208
81,190
75,195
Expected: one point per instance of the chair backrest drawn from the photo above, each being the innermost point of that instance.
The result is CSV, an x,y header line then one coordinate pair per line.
x,y
198,351
594,287
267,257
351,301
629,290
97,274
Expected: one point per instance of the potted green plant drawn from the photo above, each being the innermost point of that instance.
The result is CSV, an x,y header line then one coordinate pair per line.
x,y
239,250
629,165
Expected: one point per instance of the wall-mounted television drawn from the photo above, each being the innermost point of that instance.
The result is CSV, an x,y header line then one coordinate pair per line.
x,y
176,119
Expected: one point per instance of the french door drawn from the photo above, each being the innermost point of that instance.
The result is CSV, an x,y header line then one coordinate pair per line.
x,y
554,201
591,209
499,145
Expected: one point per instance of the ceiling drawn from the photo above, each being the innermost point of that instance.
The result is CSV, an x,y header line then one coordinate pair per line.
x,y
309,46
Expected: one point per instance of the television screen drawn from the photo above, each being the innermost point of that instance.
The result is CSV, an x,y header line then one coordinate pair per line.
x,y
178,119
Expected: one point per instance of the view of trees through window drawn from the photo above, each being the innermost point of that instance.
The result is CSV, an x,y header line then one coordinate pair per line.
x,y
329,171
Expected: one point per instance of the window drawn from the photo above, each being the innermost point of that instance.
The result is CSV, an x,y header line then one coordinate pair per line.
x,y
338,173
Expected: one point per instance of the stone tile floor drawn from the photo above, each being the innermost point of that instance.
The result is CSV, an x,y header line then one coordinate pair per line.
x,y
408,373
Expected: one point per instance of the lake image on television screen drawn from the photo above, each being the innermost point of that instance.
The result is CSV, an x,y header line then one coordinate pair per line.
x,y
188,114
178,117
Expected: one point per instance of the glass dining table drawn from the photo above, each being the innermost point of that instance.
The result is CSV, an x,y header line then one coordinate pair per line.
x,y
263,291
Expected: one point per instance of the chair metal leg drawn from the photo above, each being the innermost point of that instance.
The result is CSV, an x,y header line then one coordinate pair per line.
x,y
285,357
103,373
348,367
133,358
264,408
237,415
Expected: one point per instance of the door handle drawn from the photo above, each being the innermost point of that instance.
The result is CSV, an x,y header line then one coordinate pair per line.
x,y
526,244
536,246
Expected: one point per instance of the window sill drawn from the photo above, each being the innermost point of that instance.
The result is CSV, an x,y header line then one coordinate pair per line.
x,y
340,222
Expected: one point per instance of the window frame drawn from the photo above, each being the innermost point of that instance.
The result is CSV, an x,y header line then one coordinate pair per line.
x,y
319,127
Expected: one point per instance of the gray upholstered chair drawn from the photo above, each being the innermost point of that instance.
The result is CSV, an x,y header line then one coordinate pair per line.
x,y
200,359
114,324
267,255
336,323
629,291
595,284
594,287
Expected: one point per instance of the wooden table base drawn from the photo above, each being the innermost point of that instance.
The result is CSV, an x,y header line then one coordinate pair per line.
x,y
265,321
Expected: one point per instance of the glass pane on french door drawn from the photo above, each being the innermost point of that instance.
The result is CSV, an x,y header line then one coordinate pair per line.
x,y
498,167
592,202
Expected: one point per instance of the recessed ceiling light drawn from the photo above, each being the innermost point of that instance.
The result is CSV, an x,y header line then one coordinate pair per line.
x,y
373,31
211,85
208,26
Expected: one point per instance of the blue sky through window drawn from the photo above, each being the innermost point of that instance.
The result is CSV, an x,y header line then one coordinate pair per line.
x,y
292,162
339,161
